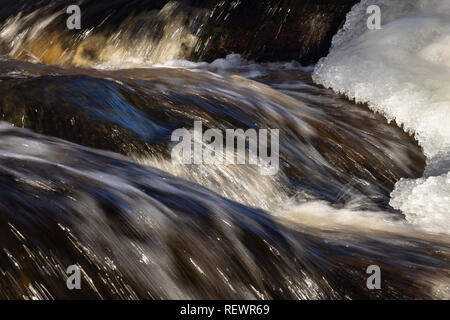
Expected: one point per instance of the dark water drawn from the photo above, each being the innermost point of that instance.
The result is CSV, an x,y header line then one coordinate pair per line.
x,y
86,178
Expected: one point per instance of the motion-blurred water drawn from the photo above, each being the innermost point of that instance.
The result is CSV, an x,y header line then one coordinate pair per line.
x,y
86,176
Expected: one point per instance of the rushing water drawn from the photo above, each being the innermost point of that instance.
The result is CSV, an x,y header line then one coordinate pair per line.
x,y
86,175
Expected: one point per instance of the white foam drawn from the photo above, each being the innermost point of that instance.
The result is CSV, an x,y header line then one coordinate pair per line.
x,y
239,183
232,64
320,214
403,72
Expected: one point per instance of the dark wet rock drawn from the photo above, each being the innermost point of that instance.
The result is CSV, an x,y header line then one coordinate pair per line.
x,y
267,30
85,110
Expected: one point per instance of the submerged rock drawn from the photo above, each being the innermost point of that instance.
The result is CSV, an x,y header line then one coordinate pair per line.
x,y
134,112
268,30
139,233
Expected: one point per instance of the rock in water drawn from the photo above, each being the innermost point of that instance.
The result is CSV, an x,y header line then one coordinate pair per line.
x,y
271,30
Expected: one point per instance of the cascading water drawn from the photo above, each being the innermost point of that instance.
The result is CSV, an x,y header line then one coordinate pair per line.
x,y
86,175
